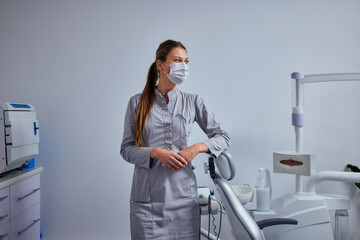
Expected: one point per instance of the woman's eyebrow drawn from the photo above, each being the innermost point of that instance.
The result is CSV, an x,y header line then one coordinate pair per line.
x,y
179,57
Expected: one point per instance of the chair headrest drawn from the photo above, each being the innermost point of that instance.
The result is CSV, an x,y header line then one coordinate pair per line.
x,y
225,165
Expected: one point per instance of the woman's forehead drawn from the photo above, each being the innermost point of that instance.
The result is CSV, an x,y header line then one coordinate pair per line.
x,y
178,52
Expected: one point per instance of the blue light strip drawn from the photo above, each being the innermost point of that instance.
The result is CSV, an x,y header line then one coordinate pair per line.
x,y
20,105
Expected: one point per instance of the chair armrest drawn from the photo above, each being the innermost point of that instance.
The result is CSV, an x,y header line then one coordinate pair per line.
x,y
276,221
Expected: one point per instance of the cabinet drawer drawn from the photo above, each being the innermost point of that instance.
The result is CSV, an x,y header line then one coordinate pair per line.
x,y
5,231
27,225
24,194
4,206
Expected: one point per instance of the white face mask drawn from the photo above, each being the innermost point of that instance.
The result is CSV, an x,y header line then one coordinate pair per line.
x,y
178,72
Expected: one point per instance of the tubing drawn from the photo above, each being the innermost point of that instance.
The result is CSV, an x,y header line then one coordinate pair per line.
x,y
331,176
204,233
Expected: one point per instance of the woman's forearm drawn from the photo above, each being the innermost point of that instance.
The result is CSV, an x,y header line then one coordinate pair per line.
x,y
202,148
154,153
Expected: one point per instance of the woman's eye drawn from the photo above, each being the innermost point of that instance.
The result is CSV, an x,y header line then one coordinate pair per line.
x,y
186,61
177,60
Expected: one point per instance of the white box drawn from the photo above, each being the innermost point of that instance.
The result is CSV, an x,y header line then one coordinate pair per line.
x,y
299,163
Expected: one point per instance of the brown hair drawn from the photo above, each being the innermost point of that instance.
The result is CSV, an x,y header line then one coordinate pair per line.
x,y
148,95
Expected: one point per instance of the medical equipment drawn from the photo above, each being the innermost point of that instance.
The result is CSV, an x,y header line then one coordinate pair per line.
x,y
298,104
20,135
261,200
243,225
244,193
208,205
309,208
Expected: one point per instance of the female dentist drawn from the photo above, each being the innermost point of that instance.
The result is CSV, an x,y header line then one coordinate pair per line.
x,y
158,122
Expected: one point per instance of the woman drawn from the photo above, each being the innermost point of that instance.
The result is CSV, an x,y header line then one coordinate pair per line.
x,y
158,122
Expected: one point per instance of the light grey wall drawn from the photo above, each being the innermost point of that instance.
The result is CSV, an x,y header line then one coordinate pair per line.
x,y
78,62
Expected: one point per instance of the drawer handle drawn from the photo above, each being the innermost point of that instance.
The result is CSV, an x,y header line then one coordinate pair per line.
x,y
34,191
3,236
3,198
27,228
2,218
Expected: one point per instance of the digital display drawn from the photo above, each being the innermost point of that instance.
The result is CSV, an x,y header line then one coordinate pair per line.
x,y
20,105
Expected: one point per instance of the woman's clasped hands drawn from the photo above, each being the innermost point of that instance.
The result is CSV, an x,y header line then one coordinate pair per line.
x,y
176,161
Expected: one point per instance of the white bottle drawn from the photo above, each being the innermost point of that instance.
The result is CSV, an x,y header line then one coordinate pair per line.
x,y
263,190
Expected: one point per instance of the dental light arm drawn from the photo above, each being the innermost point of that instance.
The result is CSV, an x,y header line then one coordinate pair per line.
x,y
312,78
298,104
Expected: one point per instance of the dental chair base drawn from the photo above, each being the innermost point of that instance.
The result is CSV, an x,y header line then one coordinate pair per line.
x,y
310,210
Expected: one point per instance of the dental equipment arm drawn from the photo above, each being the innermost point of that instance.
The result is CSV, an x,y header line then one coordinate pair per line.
x,y
298,105
331,176
312,78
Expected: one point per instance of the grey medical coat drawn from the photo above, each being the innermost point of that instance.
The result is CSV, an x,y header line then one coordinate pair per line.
x,y
163,203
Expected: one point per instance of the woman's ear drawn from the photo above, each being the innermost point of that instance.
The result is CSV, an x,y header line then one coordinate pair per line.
x,y
159,65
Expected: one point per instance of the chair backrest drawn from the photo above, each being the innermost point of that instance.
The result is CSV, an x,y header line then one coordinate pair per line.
x,y
243,225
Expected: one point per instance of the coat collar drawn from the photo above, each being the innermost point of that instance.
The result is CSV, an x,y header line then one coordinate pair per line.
x,y
172,93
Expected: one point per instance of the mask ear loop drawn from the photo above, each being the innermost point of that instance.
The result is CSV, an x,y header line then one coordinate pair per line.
x,y
159,71
168,66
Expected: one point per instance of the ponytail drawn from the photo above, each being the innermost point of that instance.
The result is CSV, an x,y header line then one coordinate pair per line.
x,y
146,103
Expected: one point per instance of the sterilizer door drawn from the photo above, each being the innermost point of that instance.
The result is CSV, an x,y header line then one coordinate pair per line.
x,y
22,136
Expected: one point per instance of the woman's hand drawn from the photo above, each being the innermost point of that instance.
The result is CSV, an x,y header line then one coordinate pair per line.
x,y
191,152
172,160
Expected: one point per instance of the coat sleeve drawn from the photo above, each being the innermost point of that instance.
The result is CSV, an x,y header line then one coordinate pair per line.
x,y
131,154
219,139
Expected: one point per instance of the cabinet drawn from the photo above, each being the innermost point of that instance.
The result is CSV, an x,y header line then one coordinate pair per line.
x,y
20,205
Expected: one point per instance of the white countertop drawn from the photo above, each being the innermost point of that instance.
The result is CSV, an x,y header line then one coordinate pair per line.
x,y
17,175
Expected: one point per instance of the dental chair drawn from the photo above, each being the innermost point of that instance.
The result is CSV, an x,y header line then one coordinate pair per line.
x,y
243,225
